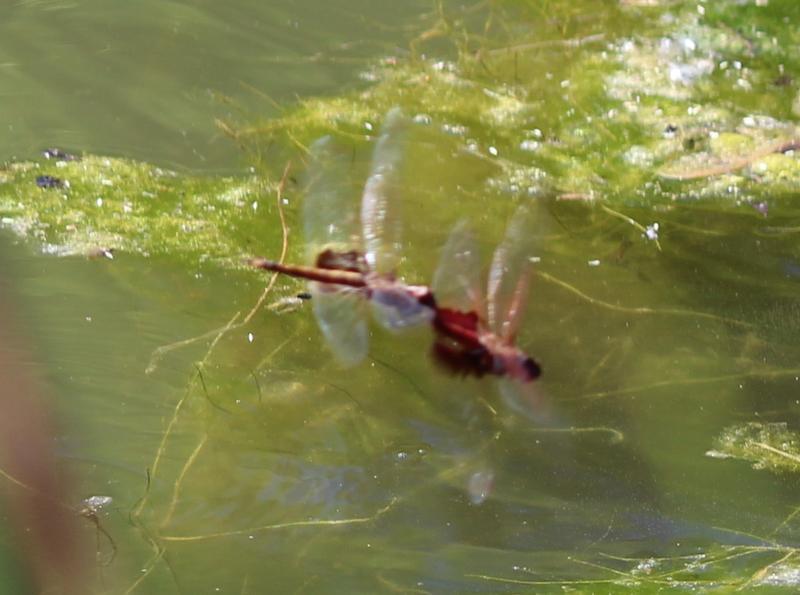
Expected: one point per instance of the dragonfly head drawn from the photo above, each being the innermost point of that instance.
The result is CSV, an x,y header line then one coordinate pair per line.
x,y
531,370
350,260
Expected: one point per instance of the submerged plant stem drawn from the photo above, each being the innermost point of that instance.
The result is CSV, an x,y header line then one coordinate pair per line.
x,y
176,414
179,481
284,244
762,572
287,525
639,309
616,435
513,581
629,220
688,382
268,358
777,451
781,146
160,352
789,518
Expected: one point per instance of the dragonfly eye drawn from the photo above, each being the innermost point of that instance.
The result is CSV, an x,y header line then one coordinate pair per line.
x,y
532,368
351,260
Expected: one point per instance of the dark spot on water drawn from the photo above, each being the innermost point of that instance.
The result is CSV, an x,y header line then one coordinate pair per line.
x,y
48,182
783,80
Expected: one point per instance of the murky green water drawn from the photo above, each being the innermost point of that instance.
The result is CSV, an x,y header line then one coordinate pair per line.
x,y
241,458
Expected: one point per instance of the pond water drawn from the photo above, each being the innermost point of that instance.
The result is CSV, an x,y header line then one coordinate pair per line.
x,y
238,454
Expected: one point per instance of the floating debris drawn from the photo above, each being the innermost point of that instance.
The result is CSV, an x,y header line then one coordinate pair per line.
x,y
93,504
651,232
480,486
288,303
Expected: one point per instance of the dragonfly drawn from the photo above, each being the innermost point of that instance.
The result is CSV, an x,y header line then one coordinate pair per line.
x,y
355,255
476,330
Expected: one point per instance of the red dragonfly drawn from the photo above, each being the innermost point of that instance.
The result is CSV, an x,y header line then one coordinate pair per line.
x,y
476,331
355,261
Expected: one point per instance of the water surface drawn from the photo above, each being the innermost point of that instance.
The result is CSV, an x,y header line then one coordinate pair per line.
x,y
247,460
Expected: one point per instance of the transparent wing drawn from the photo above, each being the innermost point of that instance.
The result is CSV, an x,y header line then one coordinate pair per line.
x,y
380,202
529,399
330,217
395,309
510,273
456,282
340,313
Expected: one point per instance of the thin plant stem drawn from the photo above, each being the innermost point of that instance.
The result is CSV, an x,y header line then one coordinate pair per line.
x,y
287,525
630,221
179,481
639,309
284,244
176,414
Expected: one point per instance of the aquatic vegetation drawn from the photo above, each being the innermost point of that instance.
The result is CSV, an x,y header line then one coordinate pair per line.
x,y
644,108
604,114
80,206
770,446
721,569
668,145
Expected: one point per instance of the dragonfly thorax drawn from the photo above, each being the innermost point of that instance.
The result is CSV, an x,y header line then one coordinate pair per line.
x,y
398,305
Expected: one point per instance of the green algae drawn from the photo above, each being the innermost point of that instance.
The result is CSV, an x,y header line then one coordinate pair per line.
x,y
779,172
770,446
606,115
731,144
101,204
643,105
